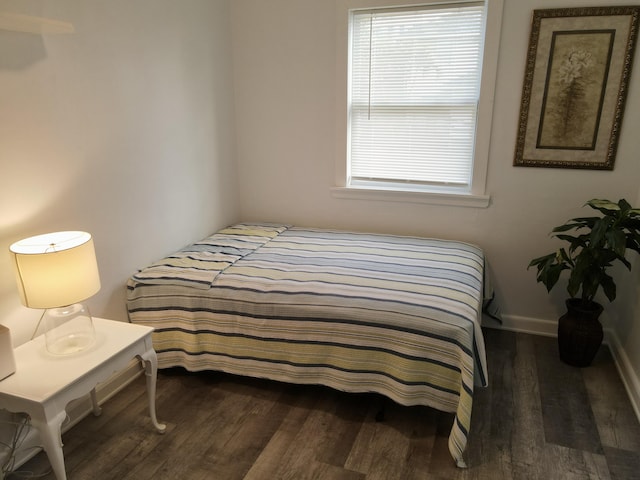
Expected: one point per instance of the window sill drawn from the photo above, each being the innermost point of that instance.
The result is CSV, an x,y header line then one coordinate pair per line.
x,y
411,196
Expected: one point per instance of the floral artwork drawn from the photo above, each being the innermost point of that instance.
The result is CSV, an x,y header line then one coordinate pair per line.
x,y
577,72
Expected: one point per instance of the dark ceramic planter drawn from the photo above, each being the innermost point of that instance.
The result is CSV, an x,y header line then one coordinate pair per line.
x,y
580,332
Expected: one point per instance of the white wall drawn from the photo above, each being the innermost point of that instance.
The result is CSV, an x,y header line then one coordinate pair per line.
x,y
126,129
286,86
123,129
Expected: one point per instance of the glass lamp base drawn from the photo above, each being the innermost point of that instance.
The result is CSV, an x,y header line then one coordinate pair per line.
x,y
69,329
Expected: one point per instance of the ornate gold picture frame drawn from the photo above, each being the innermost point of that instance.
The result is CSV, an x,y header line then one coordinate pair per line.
x,y
575,86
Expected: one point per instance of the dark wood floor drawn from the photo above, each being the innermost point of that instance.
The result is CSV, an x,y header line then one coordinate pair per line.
x,y
538,419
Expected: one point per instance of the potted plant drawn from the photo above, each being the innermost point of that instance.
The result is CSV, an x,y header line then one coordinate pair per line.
x,y
594,245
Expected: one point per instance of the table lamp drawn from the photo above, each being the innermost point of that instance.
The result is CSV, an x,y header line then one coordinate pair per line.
x,y
55,271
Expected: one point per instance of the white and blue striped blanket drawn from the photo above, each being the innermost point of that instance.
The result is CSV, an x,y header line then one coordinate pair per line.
x,y
358,312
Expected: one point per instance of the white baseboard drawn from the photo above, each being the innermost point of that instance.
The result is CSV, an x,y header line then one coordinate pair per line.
x,y
517,323
629,376
79,409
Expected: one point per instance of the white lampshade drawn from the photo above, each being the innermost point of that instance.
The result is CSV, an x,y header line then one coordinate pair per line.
x,y
55,269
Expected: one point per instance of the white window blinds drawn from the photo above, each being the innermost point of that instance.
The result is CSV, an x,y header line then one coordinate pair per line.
x,y
414,87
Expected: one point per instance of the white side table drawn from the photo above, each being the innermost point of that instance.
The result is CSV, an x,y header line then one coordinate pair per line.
x,y
44,384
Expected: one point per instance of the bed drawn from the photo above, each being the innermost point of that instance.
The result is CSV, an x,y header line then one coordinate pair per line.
x,y
358,312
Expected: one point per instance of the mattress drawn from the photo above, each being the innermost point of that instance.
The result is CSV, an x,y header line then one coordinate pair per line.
x,y
358,312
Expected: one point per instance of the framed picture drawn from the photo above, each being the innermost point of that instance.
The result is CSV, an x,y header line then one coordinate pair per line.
x,y
578,68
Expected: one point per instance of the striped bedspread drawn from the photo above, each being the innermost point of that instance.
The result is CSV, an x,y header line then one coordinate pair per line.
x,y
358,312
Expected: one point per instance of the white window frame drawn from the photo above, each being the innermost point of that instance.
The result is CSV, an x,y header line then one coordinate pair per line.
x,y
476,196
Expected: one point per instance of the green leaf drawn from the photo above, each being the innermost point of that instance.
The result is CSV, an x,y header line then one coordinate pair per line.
x,y
563,257
550,275
573,287
617,241
598,232
624,206
587,221
571,226
609,287
604,206
632,225
579,241
593,245
549,267
541,260
625,262
633,242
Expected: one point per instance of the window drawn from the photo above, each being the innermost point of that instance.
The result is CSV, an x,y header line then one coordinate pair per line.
x,y
417,97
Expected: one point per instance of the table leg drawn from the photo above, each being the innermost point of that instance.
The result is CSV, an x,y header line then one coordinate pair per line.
x,y
97,411
150,362
51,436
